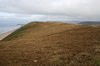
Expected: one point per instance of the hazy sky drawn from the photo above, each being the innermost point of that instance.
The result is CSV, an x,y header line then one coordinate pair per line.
x,y
62,10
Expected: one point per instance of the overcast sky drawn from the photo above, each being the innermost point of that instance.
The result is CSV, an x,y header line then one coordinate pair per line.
x,y
44,10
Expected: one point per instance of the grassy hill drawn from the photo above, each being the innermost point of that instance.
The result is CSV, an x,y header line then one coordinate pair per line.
x,y
51,44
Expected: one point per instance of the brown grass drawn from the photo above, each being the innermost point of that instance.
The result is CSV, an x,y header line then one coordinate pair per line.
x,y
51,44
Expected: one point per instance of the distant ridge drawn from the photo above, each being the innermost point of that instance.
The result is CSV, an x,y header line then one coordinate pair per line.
x,y
89,23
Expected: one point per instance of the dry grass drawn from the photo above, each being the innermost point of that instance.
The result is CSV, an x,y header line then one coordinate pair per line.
x,y
51,44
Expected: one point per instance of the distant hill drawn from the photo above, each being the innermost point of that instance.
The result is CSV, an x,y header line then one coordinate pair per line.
x,y
90,23
51,44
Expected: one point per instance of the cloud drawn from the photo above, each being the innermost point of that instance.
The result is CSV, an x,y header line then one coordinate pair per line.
x,y
69,9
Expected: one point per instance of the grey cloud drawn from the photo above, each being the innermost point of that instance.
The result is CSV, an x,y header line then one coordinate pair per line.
x,y
87,9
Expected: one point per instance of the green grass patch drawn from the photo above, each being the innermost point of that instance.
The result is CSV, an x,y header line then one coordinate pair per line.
x,y
98,62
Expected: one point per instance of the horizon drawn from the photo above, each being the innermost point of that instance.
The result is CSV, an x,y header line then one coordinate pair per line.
x,y
9,26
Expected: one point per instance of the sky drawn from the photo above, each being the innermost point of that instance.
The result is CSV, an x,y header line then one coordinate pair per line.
x,y
23,11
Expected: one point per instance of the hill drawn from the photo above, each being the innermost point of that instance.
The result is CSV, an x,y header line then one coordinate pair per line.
x,y
35,30
51,44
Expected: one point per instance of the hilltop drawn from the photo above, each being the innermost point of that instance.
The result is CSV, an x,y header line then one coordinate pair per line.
x,y
51,44
35,30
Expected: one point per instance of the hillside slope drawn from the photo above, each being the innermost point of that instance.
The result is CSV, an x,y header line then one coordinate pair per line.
x,y
35,30
51,44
